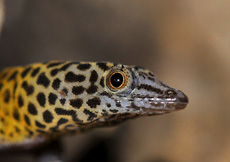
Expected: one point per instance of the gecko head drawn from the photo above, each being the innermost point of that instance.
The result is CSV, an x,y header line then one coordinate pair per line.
x,y
135,91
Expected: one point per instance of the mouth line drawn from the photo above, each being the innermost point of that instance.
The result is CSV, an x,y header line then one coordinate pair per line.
x,y
159,103
158,100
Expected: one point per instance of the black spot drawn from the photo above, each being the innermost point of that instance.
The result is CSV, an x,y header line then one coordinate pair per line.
x,y
77,90
41,98
27,119
65,91
71,77
25,72
102,82
41,131
32,109
91,115
52,98
30,132
2,120
47,116
54,129
43,80
29,89
150,88
142,74
7,96
1,85
118,104
54,64
93,76
104,93
17,129
38,124
15,87
62,101
66,66
54,72
20,101
138,67
13,76
35,72
113,110
16,114
94,102
56,84
3,76
92,89
151,78
83,66
61,111
108,104
2,132
76,103
25,85
11,134
151,74
103,66
62,121
76,119
104,113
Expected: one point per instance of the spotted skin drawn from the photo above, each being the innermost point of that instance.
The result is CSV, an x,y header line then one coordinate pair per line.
x,y
45,100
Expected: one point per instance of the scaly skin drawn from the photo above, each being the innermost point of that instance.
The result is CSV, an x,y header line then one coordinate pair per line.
x,y
45,100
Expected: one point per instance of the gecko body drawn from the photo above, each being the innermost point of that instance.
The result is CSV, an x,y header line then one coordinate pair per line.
x,y
42,101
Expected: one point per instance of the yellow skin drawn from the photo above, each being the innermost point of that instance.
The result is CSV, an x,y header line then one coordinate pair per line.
x,y
45,100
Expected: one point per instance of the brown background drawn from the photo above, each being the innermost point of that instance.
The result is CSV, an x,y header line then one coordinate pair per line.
x,y
185,42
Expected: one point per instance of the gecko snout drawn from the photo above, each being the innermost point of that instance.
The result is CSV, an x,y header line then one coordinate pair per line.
x,y
182,97
181,100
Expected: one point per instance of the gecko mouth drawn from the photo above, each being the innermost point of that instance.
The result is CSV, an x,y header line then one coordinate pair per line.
x,y
170,101
139,105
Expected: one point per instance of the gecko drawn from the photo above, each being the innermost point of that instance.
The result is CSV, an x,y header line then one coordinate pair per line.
x,y
42,101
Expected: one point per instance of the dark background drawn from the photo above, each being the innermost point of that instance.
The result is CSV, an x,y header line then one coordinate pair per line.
x,y
186,43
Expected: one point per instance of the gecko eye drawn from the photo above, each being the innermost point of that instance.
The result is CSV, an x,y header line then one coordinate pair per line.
x,y
116,80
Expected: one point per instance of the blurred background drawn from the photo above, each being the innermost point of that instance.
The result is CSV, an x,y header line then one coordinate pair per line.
x,y
185,42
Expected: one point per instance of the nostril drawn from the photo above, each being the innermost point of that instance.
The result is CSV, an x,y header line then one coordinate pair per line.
x,y
176,94
170,93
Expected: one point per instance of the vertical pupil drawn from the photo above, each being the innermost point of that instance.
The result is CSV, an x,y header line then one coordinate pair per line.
x,y
116,79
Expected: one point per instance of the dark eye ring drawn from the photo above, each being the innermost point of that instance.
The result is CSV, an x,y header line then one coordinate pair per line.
x,y
116,80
